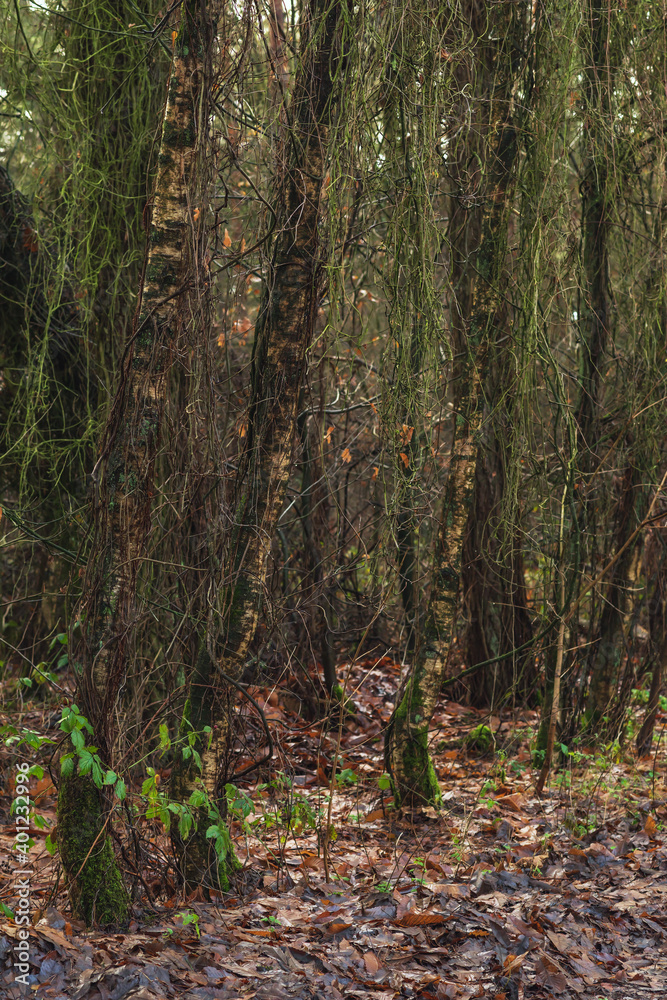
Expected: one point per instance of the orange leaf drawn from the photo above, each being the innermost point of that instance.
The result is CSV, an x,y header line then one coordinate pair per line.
x,y
197,213
346,455
327,436
242,244
336,926
406,433
404,459
412,919
227,240
376,470
173,38
650,827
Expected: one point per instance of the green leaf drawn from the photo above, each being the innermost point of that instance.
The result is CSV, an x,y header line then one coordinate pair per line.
x,y
165,742
98,777
110,777
7,912
37,771
78,739
50,844
184,824
66,766
384,782
148,785
85,762
120,790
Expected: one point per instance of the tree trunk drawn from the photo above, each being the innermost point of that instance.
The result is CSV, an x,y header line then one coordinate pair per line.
x,y
314,527
607,652
124,473
406,743
283,334
657,543
494,588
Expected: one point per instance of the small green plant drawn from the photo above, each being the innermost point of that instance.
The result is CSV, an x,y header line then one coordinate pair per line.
x,y
188,918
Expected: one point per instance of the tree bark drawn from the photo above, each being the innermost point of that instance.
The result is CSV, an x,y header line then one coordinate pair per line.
x,y
406,742
124,473
283,334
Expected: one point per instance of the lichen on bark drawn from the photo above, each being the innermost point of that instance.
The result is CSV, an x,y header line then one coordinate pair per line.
x,y
95,885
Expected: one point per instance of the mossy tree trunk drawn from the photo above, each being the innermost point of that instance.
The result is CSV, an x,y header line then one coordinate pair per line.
x,y
313,517
124,473
494,592
658,645
602,52
406,741
494,589
413,106
283,335
607,652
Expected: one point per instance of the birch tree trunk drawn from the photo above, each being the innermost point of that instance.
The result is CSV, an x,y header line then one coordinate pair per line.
x,y
124,473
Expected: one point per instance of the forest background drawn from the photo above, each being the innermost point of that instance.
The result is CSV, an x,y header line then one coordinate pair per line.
x,y
331,335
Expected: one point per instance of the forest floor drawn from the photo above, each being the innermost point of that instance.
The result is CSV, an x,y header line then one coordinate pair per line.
x,y
501,894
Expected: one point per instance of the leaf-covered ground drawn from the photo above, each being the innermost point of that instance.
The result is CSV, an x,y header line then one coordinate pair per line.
x,y
499,895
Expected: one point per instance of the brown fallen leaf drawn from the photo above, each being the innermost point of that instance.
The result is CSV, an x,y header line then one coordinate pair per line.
x,y
371,962
336,926
650,827
413,919
561,942
550,974
512,802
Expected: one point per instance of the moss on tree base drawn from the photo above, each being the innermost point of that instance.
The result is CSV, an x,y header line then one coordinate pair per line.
x,y
96,890
407,759
200,867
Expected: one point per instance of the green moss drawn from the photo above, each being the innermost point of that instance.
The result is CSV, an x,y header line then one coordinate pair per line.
x,y
197,861
480,738
96,889
176,137
408,741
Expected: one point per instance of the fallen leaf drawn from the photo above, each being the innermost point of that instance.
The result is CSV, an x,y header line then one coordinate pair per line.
x,y
414,919
650,827
512,802
371,963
